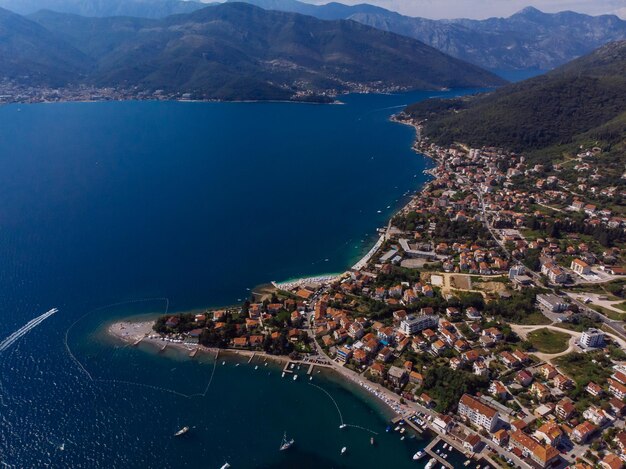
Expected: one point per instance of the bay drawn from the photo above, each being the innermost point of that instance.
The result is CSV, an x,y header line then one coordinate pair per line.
x,y
116,209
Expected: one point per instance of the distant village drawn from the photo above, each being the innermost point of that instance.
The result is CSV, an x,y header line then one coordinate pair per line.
x,y
492,305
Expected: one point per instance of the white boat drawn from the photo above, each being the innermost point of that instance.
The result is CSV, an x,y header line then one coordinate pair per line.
x,y
343,425
431,463
445,445
419,455
397,428
343,450
467,463
402,430
286,444
223,363
225,466
182,431
283,375
310,378
445,456
402,438
295,377
256,367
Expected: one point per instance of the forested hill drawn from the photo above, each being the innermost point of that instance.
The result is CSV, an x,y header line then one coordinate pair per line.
x,y
240,51
583,101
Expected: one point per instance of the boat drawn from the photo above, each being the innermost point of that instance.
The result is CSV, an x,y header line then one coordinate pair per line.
x,y
286,444
402,430
372,441
223,363
256,367
467,463
431,463
182,431
419,455
283,375
397,428
445,456
310,378
445,445
343,450
295,377
388,429
343,425
225,466
402,438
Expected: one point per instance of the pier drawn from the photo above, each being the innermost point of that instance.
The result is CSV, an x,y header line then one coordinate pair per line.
x,y
193,353
137,342
429,450
163,348
252,357
310,370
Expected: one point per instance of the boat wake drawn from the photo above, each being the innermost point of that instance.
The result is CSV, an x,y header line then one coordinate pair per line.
x,y
25,329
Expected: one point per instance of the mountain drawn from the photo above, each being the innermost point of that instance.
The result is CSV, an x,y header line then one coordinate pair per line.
x,y
239,51
33,55
582,102
102,8
529,39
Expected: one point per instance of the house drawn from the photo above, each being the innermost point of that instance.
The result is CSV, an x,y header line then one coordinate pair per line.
x,y
510,360
617,389
594,389
583,432
550,432
619,376
501,437
360,356
541,455
548,371
240,342
415,323
438,346
565,408
397,376
580,267
498,390
344,354
478,413
552,302
620,441
473,314
443,423
384,355
562,382
523,378
472,443
479,368
377,369
592,338
416,378
596,415
611,461
541,391
617,407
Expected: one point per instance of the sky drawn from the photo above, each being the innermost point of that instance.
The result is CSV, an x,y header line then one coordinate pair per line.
x,y
481,9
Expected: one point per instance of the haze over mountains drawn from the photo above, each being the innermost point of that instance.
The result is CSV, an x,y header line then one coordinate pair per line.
x,y
527,40
582,102
229,51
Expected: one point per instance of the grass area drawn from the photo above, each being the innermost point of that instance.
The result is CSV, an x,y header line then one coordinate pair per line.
x,y
585,367
621,306
536,318
609,313
548,341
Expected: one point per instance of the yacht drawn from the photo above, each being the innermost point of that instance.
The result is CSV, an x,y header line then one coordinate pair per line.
x,y
182,431
225,466
431,463
419,455
445,445
372,441
343,450
295,377
343,425
286,444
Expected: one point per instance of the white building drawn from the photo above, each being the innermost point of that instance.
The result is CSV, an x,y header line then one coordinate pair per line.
x,y
478,413
592,338
552,302
415,323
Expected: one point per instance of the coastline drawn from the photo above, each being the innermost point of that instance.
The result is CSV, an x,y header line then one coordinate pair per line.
x,y
134,333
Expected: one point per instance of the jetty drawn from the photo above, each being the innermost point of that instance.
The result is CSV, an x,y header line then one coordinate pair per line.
x,y
429,450
251,357
163,348
310,370
193,353
137,342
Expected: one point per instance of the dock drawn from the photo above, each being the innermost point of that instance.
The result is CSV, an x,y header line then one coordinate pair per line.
x,y
193,353
137,342
310,370
252,357
429,450
163,348
408,422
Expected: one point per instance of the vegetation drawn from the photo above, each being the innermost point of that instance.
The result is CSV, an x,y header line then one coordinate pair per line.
x,y
547,117
519,309
446,386
548,341
585,367
239,51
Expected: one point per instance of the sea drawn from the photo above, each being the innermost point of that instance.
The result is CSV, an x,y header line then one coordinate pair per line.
x,y
117,209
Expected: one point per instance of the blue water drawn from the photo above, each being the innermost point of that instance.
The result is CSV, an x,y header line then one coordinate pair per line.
x,y
111,203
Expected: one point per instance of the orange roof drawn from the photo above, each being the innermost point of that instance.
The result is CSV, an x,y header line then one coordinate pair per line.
x,y
543,453
477,405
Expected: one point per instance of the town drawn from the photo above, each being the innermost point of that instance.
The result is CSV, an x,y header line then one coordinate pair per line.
x,y
490,307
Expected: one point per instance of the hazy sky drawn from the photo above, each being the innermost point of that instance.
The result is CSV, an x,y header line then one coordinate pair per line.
x,y
488,8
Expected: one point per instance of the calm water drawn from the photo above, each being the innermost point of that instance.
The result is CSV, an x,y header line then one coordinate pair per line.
x,y
103,205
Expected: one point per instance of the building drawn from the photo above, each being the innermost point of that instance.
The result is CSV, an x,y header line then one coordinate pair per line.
x,y
583,432
611,461
478,413
565,409
397,376
580,267
592,338
550,432
542,456
344,354
617,389
415,323
552,302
